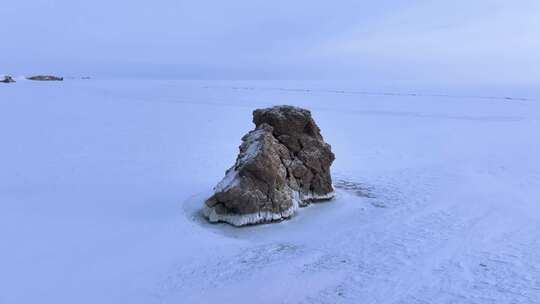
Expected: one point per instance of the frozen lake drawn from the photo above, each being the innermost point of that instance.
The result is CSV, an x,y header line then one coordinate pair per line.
x,y
101,180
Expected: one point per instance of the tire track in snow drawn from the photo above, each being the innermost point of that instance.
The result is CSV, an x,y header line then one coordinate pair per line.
x,y
224,270
364,112
382,262
373,93
506,272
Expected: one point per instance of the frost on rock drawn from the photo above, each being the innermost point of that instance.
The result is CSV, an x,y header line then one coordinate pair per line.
x,y
283,164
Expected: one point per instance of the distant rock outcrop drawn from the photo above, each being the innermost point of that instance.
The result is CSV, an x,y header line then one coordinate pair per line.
x,y
283,164
7,79
45,78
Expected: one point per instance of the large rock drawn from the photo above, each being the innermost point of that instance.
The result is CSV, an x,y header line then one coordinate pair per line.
x,y
7,79
283,164
45,78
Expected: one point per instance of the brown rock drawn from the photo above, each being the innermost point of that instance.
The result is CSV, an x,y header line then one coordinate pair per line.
x,y
283,164
7,79
45,78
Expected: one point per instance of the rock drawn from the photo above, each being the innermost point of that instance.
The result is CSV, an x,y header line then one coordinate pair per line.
x,y
7,79
45,78
283,164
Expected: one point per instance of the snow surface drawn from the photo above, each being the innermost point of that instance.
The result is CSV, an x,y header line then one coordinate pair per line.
x,y
102,183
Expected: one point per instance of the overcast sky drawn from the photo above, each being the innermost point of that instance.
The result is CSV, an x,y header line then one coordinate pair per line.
x,y
452,40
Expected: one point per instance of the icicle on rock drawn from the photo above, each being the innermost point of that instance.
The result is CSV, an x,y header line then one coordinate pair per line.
x,y
283,164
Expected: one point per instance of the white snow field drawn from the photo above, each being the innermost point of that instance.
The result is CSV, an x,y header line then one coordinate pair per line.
x,y
101,183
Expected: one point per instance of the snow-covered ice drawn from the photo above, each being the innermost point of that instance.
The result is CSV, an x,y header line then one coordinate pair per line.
x,y
102,184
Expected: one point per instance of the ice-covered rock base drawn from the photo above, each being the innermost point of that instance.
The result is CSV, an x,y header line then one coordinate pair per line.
x,y
261,217
251,218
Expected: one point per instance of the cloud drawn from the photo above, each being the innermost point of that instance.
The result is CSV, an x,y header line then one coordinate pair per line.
x,y
485,40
